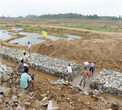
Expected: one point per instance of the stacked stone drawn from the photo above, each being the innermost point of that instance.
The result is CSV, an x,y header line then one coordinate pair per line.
x,y
9,84
41,63
109,81
11,96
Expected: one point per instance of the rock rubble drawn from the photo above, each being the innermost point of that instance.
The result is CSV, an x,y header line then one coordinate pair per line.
x,y
53,66
109,81
59,92
11,96
8,96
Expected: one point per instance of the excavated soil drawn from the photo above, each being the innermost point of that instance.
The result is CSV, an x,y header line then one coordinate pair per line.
x,y
105,51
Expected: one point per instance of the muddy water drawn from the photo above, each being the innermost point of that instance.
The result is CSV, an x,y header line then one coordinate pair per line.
x,y
30,37
72,37
37,74
4,34
34,38
16,29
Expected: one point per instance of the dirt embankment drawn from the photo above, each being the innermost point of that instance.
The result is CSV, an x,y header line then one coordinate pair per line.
x,y
105,51
14,37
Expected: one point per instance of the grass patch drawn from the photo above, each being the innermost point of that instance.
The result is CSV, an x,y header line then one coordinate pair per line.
x,y
95,27
97,35
91,26
6,26
2,23
18,25
35,28
19,35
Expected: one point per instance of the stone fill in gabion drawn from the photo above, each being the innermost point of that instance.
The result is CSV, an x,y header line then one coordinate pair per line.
x,y
109,81
42,63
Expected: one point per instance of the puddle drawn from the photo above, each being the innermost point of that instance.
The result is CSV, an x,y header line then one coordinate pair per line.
x,y
38,74
72,37
30,37
4,34
33,38
17,29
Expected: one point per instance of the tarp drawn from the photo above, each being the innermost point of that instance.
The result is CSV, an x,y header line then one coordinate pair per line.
x,y
44,33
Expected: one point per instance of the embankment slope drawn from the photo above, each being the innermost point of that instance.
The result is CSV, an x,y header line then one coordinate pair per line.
x,y
106,51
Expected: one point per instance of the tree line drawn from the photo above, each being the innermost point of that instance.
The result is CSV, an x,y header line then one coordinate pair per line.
x,y
68,16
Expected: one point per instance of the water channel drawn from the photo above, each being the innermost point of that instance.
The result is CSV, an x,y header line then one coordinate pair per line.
x,y
37,74
17,29
4,34
34,38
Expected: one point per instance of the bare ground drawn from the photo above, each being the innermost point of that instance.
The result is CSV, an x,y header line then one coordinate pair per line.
x,y
64,97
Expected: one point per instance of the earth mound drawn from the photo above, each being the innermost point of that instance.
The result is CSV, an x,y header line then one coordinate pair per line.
x,y
105,51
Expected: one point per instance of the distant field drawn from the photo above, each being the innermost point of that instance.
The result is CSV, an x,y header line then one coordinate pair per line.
x,y
97,25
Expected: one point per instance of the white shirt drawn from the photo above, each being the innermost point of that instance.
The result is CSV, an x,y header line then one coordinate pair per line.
x,y
29,46
25,58
69,69
86,64
92,65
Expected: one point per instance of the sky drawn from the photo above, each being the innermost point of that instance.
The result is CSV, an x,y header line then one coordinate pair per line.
x,y
14,8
